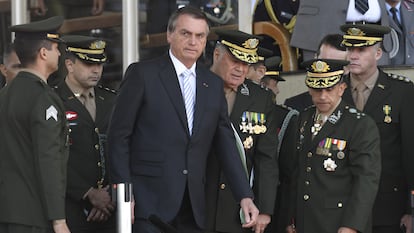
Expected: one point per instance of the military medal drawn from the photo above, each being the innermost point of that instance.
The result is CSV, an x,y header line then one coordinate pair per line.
x,y
243,126
256,128
387,111
262,122
329,165
248,142
324,147
317,125
249,123
341,146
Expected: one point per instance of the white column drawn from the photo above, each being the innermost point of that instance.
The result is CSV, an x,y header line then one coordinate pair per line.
x,y
18,13
130,31
245,15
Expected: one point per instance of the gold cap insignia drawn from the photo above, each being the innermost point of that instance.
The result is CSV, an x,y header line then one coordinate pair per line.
x,y
251,43
355,32
99,44
320,67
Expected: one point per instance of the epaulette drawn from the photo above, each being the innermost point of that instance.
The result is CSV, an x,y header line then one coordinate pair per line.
x,y
309,107
400,78
354,111
107,89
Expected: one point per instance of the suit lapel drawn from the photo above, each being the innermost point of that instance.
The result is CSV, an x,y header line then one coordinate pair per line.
x,y
169,79
201,97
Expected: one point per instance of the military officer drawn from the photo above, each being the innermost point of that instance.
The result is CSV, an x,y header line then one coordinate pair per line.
x,y
387,98
251,113
88,106
272,77
33,136
339,161
10,64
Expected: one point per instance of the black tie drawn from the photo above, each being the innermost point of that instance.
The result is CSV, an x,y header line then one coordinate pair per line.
x,y
361,6
394,17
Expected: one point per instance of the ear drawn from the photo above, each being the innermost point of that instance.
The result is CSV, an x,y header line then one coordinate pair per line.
x,y
378,53
69,65
169,37
342,87
43,53
3,70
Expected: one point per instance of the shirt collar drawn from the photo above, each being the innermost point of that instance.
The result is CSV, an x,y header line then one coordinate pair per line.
x,y
179,66
396,6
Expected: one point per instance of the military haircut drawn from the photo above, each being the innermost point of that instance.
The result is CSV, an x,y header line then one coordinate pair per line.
x,y
333,40
27,49
188,10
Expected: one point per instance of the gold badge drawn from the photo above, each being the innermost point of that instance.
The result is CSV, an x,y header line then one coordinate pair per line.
x,y
387,111
248,142
251,43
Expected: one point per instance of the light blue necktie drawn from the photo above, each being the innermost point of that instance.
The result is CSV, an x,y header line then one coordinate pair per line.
x,y
189,98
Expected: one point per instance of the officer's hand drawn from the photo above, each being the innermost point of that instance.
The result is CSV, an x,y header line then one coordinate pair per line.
x,y
406,220
346,230
96,215
60,226
262,221
290,229
97,7
250,212
101,199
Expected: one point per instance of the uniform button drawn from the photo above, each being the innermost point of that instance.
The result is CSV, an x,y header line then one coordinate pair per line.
x,y
185,172
306,197
395,189
96,130
308,169
222,186
70,130
307,183
340,205
97,147
99,164
309,154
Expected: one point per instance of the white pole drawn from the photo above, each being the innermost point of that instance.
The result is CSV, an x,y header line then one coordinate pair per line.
x,y
245,15
130,29
18,13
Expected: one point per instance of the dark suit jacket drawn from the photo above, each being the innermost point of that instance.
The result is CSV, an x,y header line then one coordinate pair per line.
x,y
397,177
405,35
327,200
299,102
33,153
86,164
223,209
150,145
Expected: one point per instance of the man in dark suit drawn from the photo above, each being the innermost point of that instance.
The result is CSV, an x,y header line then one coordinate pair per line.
x,y
88,106
33,136
339,160
403,25
251,113
388,100
169,114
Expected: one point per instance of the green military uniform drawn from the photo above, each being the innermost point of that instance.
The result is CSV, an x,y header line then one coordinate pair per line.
x,y
87,166
260,149
339,161
34,152
390,105
33,142
287,122
253,117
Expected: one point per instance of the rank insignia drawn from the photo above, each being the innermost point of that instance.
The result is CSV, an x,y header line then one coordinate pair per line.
x,y
329,165
387,111
248,142
245,90
51,112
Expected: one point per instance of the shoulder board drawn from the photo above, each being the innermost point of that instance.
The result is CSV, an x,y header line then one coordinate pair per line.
x,y
107,89
399,78
285,107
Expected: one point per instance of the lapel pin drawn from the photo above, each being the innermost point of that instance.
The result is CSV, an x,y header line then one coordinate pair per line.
x,y
205,84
